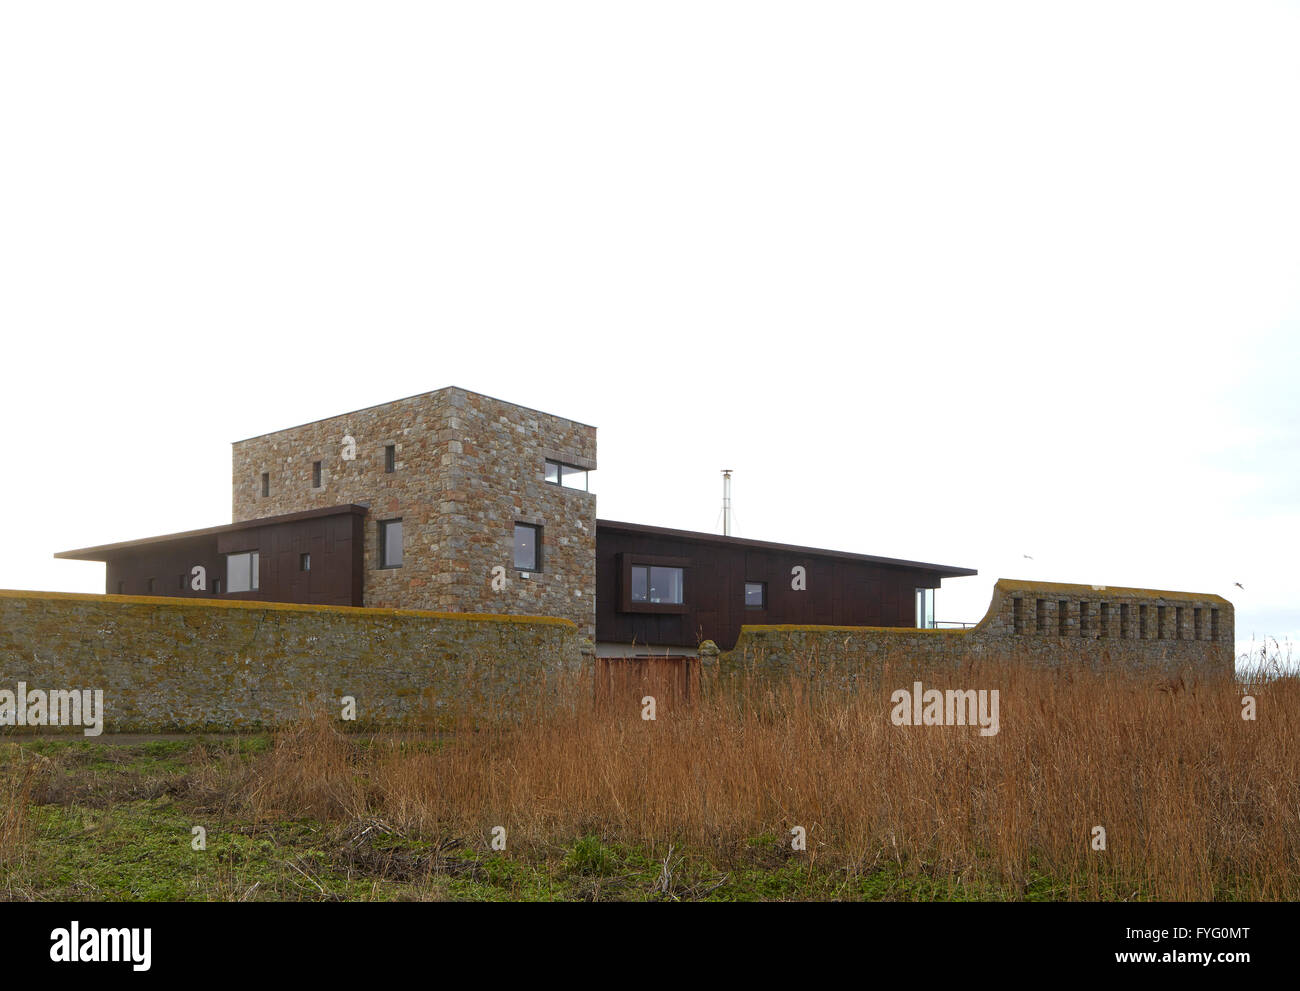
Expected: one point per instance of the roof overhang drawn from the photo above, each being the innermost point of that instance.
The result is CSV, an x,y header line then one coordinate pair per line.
x,y
946,570
105,552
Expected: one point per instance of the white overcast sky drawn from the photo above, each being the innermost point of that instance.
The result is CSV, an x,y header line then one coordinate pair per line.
x,y
957,282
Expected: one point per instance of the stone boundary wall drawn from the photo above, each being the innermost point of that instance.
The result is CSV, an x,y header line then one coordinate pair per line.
x,y
173,664
1040,623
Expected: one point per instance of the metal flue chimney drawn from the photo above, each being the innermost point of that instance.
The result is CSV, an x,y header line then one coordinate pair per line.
x,y
726,502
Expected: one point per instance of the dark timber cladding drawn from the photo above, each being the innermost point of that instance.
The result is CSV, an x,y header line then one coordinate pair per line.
x,y
841,588
310,557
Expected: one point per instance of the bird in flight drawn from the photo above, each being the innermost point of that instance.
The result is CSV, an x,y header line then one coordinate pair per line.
x,y
1240,586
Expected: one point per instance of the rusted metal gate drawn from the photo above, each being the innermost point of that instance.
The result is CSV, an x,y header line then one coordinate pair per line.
x,y
673,681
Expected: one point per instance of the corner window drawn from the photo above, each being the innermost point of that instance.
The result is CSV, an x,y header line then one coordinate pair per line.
x,y
390,543
652,584
390,458
528,547
755,595
925,608
568,476
242,571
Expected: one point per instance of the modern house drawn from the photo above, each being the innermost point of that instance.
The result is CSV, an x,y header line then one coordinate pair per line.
x,y
453,501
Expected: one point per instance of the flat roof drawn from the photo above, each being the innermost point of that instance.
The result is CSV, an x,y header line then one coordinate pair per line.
x,y
418,395
714,538
104,551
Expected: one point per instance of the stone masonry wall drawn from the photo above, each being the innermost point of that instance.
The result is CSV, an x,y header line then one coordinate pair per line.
x,y
1035,622
468,467
197,664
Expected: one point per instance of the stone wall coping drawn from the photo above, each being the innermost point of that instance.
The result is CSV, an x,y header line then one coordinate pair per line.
x,y
1105,591
184,603
813,628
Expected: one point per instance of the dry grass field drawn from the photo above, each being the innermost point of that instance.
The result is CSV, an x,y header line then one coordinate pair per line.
x,y
597,803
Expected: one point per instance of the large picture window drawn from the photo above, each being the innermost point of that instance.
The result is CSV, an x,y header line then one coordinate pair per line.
x,y
390,543
651,583
657,585
242,572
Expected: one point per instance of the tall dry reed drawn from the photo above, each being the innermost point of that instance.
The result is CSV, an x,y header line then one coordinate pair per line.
x,y
1195,801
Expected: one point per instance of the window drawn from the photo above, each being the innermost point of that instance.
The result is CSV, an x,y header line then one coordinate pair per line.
x,y
653,584
568,476
925,608
390,543
755,595
528,547
242,571
1062,618
266,483
390,458
216,586
304,562
315,474
1018,615
1103,628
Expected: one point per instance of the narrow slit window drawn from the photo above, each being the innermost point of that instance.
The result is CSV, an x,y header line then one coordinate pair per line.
x,y
528,547
1162,622
390,458
1062,618
1103,620
304,562
1018,615
1198,623
1214,624
1085,615
315,474
1040,616
1125,621
390,543
1180,617
266,483
1144,622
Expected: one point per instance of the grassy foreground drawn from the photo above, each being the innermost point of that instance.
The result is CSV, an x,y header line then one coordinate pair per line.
x,y
598,804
